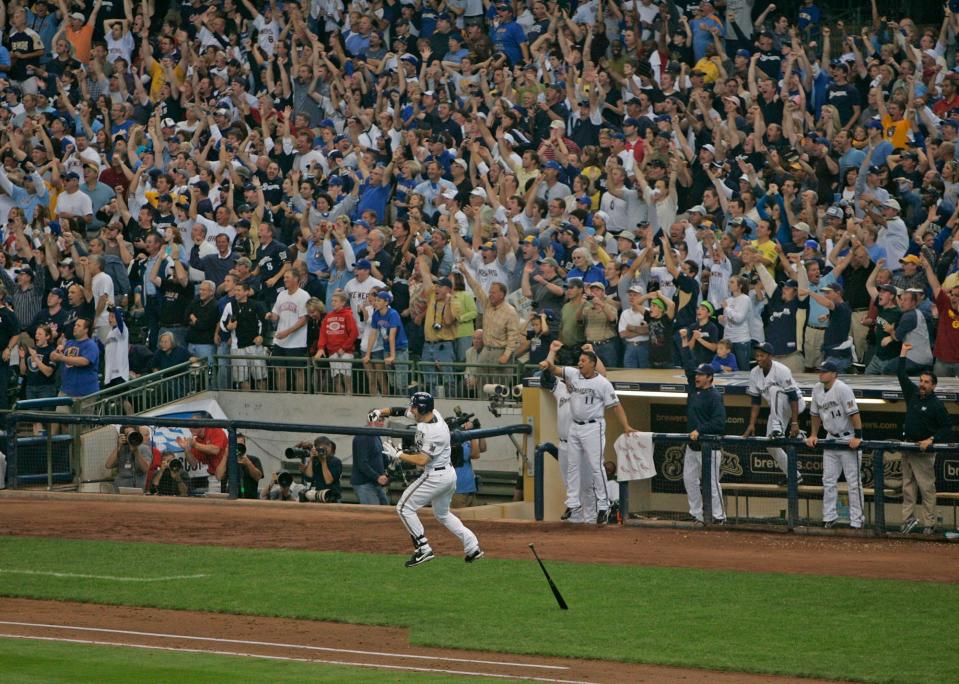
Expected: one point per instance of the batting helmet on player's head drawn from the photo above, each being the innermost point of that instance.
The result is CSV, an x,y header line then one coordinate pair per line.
x,y
422,402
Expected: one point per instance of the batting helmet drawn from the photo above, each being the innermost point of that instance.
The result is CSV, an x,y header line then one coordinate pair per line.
x,y
422,402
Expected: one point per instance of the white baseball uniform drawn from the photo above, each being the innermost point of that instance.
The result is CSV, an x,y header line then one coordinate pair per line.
x,y
563,420
435,486
589,399
835,408
775,387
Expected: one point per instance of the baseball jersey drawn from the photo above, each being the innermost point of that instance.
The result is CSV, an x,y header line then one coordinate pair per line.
x,y
589,397
834,407
433,439
563,418
774,386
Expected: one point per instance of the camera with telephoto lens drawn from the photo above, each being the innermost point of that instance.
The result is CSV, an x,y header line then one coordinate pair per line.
x,y
320,496
458,420
134,439
240,449
297,453
176,465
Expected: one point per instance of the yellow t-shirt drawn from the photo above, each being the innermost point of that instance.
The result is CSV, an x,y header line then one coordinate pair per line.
x,y
767,250
158,78
708,68
896,132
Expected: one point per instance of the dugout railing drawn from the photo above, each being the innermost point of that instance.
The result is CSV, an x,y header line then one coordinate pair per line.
x,y
18,455
878,494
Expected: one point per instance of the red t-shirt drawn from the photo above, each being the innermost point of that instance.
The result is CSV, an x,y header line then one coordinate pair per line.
x,y
217,437
947,332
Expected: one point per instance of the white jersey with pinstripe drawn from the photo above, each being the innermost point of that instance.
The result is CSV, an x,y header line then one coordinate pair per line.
x,y
589,397
834,407
433,439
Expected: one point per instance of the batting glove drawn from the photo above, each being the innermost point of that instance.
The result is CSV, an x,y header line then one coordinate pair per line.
x,y
390,451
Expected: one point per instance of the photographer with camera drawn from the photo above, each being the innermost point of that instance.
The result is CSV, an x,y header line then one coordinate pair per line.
x,y
281,488
462,456
131,458
321,470
169,479
207,446
251,470
368,477
431,451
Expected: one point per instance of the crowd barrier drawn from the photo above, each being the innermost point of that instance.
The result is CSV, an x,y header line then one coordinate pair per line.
x,y
19,455
876,449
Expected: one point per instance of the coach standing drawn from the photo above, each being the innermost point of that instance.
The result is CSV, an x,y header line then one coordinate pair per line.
x,y
834,407
705,415
927,421
590,395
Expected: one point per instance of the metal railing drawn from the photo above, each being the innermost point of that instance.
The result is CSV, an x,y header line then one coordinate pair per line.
x,y
878,448
148,391
15,418
306,375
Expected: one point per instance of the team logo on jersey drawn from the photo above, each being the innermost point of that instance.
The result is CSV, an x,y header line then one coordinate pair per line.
x,y
419,441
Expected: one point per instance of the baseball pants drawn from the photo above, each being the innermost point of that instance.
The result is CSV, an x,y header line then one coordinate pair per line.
x,y
780,417
834,461
692,477
562,456
585,446
434,487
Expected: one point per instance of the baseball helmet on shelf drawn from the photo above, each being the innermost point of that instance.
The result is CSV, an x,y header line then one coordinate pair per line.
x,y
422,402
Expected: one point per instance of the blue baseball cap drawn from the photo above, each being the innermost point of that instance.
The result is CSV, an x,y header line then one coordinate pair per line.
x,y
763,347
811,244
327,123
827,366
705,369
743,53
874,123
335,180
364,264
551,164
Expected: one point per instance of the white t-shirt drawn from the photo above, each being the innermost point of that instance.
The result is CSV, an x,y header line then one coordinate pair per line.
x,y
213,229
633,318
119,48
834,407
102,284
76,203
357,293
589,397
291,308
116,353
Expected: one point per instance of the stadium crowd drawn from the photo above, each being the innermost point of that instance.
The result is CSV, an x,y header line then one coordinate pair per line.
x,y
457,180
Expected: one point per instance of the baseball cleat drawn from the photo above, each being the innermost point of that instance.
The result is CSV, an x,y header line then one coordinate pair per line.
x,y
475,556
909,526
565,516
419,557
928,530
602,517
829,524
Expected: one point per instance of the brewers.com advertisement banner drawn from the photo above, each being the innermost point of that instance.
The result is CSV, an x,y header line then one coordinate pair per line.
x,y
755,465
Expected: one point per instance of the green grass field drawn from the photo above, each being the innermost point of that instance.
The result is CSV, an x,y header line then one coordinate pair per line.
x,y
829,627
50,662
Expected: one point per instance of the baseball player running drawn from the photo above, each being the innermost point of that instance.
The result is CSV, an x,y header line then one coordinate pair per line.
x,y
431,451
834,407
590,395
774,382
705,415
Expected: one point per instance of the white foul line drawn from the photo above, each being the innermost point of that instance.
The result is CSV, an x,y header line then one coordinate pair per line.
x,y
272,644
434,670
47,573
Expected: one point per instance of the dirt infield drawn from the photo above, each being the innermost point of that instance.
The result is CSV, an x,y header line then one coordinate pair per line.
x,y
360,528
320,642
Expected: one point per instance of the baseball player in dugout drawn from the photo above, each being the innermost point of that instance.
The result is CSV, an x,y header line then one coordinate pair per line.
x,y
590,395
774,382
926,422
705,415
834,407
431,451
581,501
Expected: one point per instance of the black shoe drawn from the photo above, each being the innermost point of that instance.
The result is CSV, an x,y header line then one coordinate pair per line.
x,y
829,524
475,556
602,517
783,481
929,530
909,526
565,516
419,557
719,522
